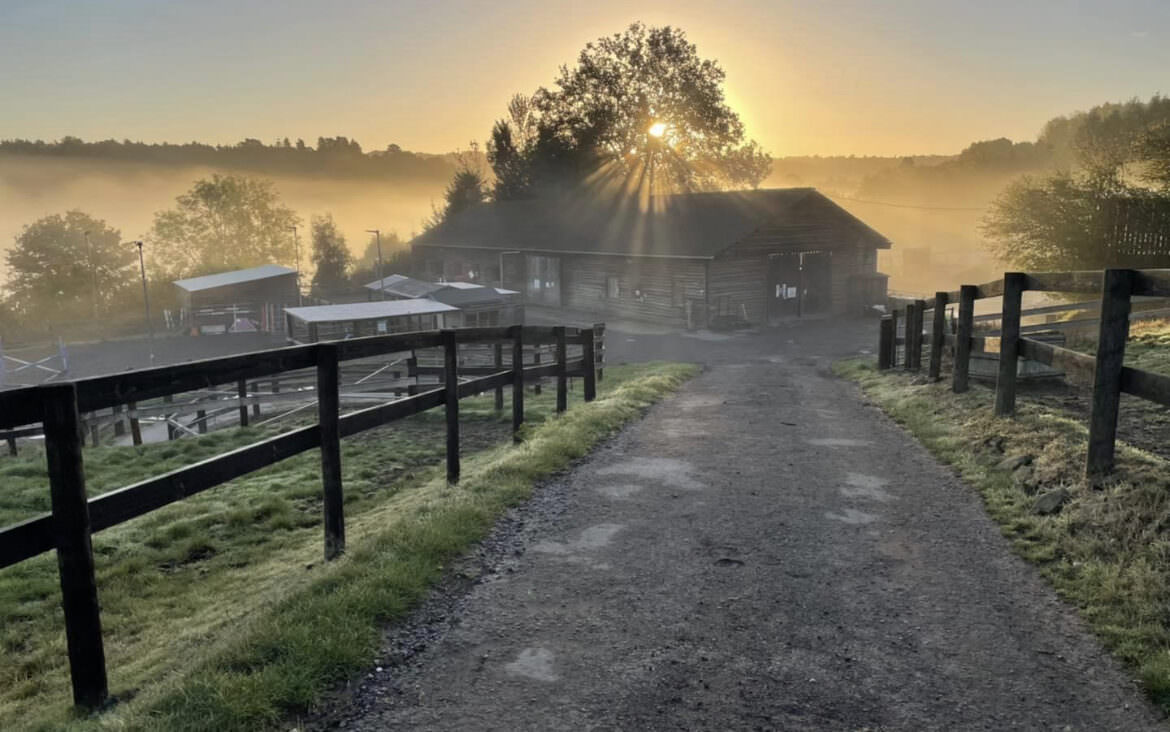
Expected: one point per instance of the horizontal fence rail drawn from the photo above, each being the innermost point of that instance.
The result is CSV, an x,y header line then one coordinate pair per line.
x,y
74,517
1105,371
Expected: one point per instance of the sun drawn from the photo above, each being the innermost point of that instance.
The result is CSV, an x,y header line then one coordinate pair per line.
x,y
658,129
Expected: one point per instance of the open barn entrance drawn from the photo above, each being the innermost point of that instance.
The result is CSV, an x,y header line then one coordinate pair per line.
x,y
799,283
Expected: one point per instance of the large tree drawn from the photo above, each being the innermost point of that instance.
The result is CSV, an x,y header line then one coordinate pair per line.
x,y
641,109
223,223
468,187
71,265
1108,211
331,258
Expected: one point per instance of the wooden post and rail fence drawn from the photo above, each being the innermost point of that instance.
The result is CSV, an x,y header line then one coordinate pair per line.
x,y
74,517
1105,371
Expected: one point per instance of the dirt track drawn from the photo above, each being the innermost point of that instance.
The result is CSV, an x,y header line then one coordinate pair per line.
x,y
763,551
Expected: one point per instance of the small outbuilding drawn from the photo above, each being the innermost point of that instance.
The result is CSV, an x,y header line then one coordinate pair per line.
x,y
401,287
217,303
353,320
695,260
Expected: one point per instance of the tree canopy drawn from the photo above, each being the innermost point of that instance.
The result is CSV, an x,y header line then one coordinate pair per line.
x,y
641,109
223,223
70,265
331,258
1117,192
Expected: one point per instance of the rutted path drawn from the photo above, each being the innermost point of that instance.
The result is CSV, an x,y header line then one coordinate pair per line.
x,y
763,551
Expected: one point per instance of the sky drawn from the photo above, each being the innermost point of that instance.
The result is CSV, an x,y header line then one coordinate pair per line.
x,y
828,77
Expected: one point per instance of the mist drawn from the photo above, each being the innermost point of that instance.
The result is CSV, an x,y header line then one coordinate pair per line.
x,y
127,195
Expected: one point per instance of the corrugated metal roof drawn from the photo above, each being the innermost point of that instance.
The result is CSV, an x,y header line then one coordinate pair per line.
x,y
403,286
222,279
368,310
689,225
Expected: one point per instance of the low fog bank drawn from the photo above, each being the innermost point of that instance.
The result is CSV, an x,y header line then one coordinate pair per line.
x,y
127,195
930,207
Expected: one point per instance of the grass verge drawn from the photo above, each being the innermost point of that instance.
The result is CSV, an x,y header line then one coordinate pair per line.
x,y
217,611
1107,551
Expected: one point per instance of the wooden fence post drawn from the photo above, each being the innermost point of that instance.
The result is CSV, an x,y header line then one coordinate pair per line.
x,y
965,329
919,316
12,446
517,333
1009,344
562,376
536,361
169,399
886,342
499,355
328,414
587,363
201,418
135,427
451,374
599,354
119,425
911,335
1114,330
894,325
256,395
71,527
242,390
937,335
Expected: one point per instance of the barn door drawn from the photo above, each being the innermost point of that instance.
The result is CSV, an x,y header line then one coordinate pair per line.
x,y
512,271
783,285
799,283
816,282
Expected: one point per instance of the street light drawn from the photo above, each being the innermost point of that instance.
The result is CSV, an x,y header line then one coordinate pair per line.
x,y
297,249
381,274
146,300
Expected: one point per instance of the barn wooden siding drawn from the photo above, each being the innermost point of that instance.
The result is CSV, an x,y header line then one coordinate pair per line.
x,y
648,288
739,276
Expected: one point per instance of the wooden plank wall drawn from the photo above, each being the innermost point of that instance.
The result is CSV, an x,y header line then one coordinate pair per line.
x,y
586,286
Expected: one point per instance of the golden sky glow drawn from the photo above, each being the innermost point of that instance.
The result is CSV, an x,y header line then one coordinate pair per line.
x,y
832,77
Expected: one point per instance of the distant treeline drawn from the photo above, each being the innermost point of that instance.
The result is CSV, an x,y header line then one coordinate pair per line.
x,y
332,156
978,173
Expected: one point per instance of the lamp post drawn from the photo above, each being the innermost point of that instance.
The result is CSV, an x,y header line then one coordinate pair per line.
x,y
146,300
381,275
297,249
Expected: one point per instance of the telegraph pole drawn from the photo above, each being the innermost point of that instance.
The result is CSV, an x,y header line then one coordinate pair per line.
x,y
146,301
92,271
297,249
381,275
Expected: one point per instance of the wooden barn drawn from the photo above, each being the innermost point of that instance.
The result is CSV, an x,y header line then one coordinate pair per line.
x,y
219,303
695,260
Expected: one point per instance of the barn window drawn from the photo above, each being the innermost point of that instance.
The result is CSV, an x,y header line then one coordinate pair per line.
x,y
613,288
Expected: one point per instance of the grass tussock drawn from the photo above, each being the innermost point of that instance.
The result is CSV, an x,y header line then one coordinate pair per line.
x,y
218,612
1108,549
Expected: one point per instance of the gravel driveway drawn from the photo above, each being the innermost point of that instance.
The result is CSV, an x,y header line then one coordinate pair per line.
x,y
762,551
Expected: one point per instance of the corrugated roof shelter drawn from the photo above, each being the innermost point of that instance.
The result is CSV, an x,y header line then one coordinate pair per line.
x,y
350,320
212,303
237,277
401,287
688,259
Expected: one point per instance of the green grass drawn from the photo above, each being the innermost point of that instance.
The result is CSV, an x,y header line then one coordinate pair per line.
x,y
218,612
1107,552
